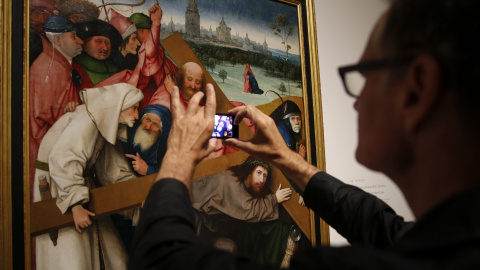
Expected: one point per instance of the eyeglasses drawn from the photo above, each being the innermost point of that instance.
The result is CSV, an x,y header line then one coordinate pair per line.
x,y
353,79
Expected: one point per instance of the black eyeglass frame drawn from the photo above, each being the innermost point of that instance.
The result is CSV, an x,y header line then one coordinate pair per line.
x,y
372,65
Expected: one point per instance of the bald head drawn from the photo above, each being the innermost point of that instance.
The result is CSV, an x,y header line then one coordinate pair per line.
x,y
190,79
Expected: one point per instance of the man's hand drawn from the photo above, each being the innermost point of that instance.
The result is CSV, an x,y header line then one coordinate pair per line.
x,y
169,83
81,217
302,151
155,14
139,165
268,145
189,139
283,194
70,107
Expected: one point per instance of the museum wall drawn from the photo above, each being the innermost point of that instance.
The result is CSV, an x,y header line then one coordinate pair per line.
x,y
343,27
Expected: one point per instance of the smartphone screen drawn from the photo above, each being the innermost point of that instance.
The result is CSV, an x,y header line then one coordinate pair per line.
x,y
224,127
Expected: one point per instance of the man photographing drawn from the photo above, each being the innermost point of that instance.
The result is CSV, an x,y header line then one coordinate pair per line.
x,y
418,124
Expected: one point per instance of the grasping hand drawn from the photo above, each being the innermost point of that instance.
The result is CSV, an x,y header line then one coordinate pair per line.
x,y
70,107
139,165
169,83
302,150
283,194
155,14
301,201
81,217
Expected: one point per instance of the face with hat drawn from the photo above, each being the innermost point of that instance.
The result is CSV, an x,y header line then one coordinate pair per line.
x,y
128,30
64,34
143,24
292,112
99,37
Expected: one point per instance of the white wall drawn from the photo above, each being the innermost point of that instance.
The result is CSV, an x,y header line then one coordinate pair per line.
x,y
343,27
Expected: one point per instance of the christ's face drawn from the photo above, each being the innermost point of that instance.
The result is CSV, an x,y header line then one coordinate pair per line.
x,y
296,123
257,179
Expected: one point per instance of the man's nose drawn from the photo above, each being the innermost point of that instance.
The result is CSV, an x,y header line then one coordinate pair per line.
x,y
148,126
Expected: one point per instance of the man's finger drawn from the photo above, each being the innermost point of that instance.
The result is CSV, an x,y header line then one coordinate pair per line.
x,y
193,104
130,156
242,145
175,105
211,104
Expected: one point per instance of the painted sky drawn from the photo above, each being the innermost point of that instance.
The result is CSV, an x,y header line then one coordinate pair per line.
x,y
243,16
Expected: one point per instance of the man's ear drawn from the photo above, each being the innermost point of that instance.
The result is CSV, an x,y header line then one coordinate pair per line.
x,y
423,89
57,40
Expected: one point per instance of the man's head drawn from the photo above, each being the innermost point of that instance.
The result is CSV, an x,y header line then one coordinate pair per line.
x,y
129,115
98,47
40,10
148,131
405,102
296,122
155,124
62,34
143,24
99,38
129,44
190,79
77,10
256,179
255,175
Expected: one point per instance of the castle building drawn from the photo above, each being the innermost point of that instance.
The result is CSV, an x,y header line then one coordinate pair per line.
x,y
224,32
171,25
192,20
247,44
265,45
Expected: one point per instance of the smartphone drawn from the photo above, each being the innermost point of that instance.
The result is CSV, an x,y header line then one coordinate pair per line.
x,y
224,127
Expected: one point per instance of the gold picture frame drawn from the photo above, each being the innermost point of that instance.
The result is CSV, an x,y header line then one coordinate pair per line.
x,y
312,105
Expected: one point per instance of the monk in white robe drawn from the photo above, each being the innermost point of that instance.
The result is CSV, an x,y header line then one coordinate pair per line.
x,y
66,154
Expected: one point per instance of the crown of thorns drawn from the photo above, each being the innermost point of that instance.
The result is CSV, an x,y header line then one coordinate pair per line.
x,y
256,162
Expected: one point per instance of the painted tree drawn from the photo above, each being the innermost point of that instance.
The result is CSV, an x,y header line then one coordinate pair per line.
x,y
223,74
212,63
282,30
282,88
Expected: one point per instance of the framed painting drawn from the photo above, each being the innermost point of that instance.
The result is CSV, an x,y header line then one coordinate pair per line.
x,y
267,59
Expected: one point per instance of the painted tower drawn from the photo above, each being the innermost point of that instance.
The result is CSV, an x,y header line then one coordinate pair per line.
x,y
224,32
192,20
171,25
